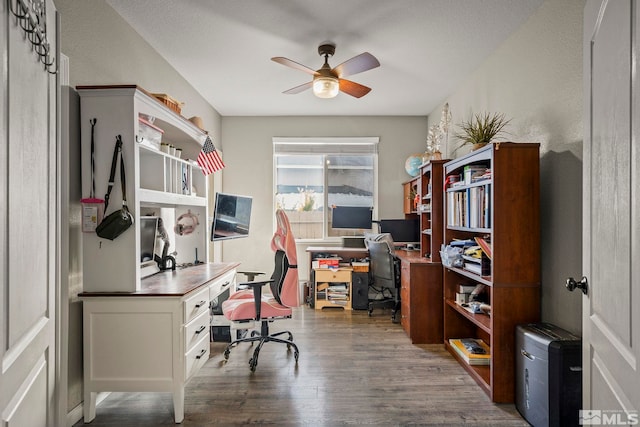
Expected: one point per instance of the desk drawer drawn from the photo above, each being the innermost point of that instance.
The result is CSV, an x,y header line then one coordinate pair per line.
x,y
333,276
196,329
196,305
218,286
196,357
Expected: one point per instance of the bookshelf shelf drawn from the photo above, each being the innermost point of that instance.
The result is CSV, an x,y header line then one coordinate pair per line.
x,y
485,280
431,219
481,320
480,374
504,210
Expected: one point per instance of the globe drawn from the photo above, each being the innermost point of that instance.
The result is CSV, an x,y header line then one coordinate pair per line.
x,y
412,165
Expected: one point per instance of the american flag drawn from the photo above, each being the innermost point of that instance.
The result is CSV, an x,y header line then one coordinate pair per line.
x,y
209,159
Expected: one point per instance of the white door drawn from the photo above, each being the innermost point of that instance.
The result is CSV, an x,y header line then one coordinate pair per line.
x,y
28,128
611,235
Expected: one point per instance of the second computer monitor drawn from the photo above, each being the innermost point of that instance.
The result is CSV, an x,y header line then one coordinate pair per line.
x,y
403,231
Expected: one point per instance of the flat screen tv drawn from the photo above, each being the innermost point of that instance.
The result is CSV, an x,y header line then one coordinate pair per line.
x,y
351,217
231,217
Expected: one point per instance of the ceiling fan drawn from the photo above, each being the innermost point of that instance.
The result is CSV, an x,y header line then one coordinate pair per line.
x,y
327,81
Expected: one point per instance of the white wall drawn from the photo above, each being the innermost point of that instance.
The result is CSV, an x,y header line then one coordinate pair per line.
x,y
248,154
535,78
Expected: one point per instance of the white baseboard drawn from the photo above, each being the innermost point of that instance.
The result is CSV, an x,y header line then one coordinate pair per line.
x,y
76,413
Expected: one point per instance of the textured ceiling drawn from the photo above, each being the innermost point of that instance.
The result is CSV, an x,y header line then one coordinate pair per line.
x,y
223,48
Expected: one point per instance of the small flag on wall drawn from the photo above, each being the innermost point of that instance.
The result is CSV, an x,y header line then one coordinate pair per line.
x,y
209,159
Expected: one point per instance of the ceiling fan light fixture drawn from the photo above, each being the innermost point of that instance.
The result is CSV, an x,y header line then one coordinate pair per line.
x,y
326,86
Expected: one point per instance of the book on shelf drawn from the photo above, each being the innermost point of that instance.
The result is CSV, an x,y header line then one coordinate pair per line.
x,y
473,267
467,356
471,172
469,208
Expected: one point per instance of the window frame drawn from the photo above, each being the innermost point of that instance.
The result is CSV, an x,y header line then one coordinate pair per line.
x,y
326,146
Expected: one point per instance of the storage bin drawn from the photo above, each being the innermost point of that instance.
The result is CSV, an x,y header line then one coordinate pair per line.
x,y
360,267
149,135
170,102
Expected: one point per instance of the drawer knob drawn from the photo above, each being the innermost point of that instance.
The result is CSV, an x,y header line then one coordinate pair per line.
x,y
202,352
201,304
202,328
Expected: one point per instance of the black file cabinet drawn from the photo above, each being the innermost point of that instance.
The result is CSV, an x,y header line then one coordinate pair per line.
x,y
548,375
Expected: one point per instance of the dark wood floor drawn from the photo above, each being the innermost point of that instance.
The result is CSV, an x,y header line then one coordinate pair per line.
x,y
353,370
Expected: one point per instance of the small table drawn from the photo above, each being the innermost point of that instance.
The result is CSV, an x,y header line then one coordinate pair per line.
x,y
332,288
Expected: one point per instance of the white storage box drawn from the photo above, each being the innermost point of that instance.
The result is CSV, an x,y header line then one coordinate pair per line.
x,y
149,135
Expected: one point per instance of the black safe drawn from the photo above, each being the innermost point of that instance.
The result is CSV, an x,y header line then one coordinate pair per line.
x,y
548,375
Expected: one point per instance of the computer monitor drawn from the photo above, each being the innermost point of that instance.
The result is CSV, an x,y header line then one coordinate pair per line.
x,y
403,231
148,234
231,217
351,217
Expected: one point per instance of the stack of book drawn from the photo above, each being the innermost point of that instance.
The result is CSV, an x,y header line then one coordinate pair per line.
x,y
338,294
473,173
472,358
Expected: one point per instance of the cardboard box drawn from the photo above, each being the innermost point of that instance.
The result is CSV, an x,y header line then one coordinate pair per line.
x,y
360,267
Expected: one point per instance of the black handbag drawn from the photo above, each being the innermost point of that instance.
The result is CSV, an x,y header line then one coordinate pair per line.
x,y
119,221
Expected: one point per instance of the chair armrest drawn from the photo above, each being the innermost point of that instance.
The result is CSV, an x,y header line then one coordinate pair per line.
x,y
251,275
257,293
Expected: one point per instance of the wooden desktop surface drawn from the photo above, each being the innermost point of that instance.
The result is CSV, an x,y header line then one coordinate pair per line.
x,y
174,283
347,253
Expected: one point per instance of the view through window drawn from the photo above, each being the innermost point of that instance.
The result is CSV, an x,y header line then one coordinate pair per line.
x,y
312,175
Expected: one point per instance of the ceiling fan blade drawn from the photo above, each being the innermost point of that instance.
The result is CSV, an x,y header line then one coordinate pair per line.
x,y
293,64
298,89
357,64
354,89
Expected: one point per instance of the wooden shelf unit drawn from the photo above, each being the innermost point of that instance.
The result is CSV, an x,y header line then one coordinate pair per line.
x,y
410,187
158,183
431,210
332,288
513,229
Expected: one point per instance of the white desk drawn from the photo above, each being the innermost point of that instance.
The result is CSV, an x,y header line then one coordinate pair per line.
x,y
154,339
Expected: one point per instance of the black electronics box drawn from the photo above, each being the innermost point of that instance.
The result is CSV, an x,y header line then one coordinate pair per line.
x,y
548,375
221,333
353,242
360,290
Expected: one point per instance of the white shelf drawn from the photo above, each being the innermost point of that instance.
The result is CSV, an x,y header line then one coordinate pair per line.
x,y
157,184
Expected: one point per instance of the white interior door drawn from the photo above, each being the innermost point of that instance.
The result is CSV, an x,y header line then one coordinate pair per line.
x,y
28,99
611,235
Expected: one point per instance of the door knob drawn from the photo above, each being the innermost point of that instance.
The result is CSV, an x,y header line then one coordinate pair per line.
x,y
582,284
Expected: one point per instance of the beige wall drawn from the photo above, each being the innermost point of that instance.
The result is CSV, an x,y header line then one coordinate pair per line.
x,y
248,153
535,78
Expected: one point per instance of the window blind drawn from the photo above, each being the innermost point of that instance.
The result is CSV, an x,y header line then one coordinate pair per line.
x,y
311,145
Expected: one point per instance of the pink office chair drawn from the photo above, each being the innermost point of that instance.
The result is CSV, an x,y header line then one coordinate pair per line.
x,y
251,305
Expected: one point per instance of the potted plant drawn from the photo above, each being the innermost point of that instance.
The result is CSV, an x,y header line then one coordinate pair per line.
x,y
481,129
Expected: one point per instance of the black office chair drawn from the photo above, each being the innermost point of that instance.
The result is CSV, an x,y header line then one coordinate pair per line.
x,y
384,290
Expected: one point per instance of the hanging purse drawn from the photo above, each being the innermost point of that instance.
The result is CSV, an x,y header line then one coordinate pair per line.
x,y
120,220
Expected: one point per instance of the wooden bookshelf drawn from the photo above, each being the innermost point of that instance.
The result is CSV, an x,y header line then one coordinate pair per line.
x,y
430,209
508,216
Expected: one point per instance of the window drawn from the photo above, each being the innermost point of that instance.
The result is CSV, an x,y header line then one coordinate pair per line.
x,y
314,174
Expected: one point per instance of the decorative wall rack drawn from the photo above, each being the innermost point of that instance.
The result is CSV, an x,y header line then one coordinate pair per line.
x,y
31,15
